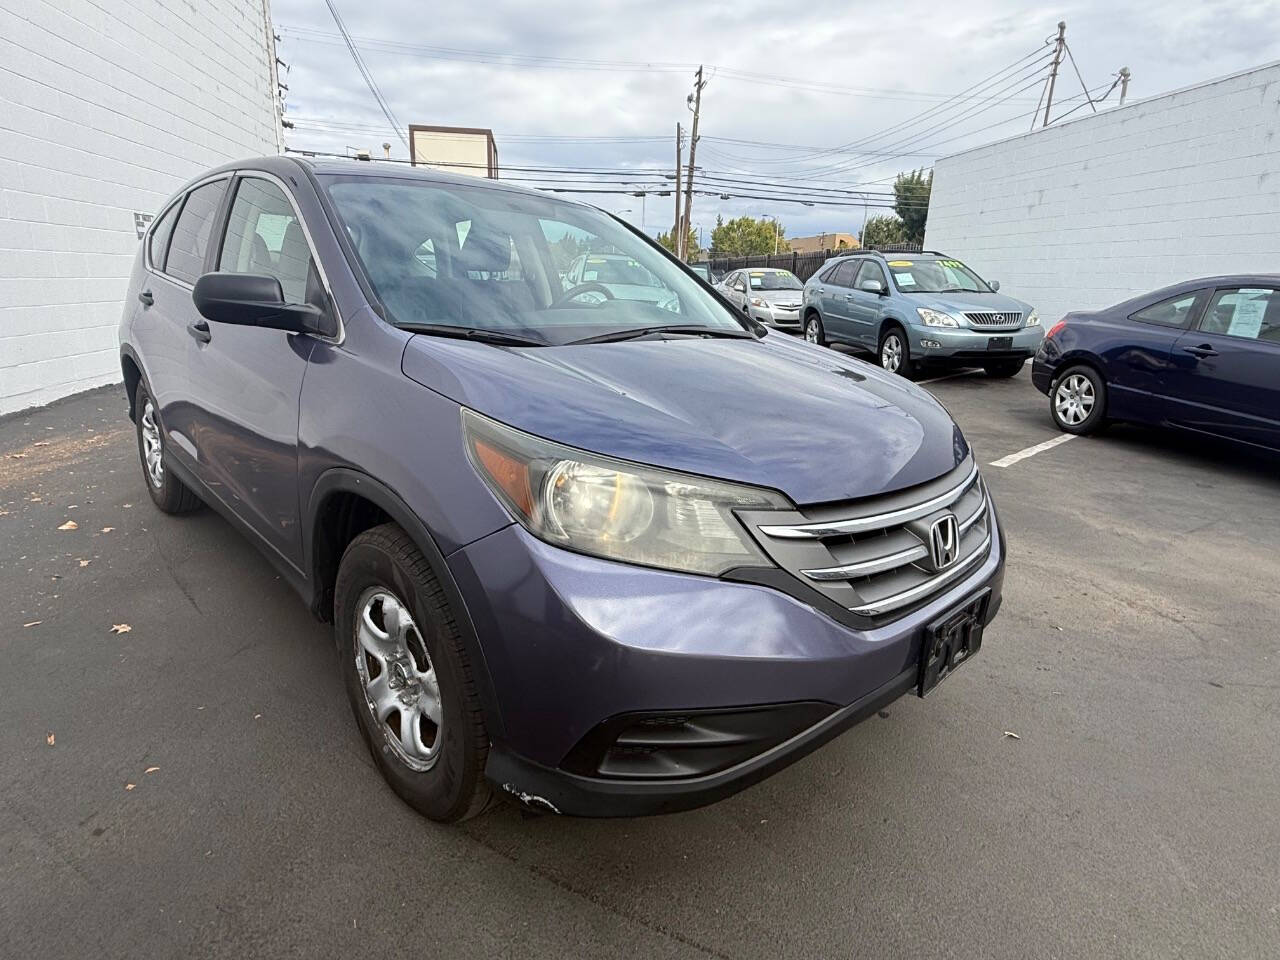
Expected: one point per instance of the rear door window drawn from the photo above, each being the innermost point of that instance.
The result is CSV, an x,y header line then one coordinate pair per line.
x,y
191,233
1175,312
845,273
160,234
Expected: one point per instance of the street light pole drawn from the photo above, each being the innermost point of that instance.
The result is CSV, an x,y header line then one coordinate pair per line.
x,y
769,216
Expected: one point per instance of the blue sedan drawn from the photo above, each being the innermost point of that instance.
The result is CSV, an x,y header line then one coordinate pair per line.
x,y
1202,356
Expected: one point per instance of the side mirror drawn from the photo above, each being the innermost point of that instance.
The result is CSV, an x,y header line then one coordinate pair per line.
x,y
252,301
872,286
994,285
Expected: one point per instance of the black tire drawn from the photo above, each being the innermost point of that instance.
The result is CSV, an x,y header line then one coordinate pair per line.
x,y
1003,369
167,492
820,335
906,366
1072,384
452,788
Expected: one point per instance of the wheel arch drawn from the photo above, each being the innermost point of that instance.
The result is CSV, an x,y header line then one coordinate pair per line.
x,y
346,502
131,369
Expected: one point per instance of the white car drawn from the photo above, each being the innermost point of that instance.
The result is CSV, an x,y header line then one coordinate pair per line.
x,y
766,294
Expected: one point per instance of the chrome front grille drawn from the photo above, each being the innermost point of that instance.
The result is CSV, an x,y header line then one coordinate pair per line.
x,y
881,554
994,321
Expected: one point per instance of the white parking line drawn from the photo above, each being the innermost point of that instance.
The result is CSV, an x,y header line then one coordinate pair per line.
x,y
949,376
1013,458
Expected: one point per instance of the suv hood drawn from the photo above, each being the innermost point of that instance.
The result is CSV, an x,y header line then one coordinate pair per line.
x,y
775,412
960,302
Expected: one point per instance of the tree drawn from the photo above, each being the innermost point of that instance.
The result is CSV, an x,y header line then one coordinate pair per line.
x,y
567,249
747,236
911,201
883,230
693,252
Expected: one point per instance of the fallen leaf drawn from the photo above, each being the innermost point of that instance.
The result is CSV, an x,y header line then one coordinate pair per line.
x,y
50,739
130,786
120,628
41,443
151,770
33,623
128,506
1011,735
85,563
17,456
257,716
70,525
107,529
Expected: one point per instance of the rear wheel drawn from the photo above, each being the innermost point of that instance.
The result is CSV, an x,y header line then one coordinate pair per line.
x,y
813,331
1078,400
894,353
1003,369
167,492
408,677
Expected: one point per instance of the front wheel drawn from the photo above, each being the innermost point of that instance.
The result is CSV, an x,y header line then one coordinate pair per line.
x,y
894,353
408,676
813,332
1078,401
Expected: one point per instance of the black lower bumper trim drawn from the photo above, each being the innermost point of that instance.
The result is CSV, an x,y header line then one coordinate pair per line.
x,y
549,790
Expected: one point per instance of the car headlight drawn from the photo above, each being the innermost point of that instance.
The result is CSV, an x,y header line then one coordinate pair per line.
x,y
936,318
1033,320
757,302
615,509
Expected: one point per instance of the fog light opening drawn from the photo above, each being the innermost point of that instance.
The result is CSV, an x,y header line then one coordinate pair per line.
x,y
930,344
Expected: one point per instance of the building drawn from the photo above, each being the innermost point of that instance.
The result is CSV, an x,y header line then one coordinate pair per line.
x,y
823,241
469,150
1088,212
108,109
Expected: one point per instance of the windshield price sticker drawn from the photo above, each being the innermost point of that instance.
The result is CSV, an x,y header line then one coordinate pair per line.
x,y
901,263
954,264
904,279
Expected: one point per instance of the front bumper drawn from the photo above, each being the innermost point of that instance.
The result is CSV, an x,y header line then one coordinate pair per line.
x,y
971,345
573,643
777,317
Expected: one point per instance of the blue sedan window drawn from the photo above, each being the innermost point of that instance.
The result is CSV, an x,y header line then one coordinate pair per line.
x,y
1250,313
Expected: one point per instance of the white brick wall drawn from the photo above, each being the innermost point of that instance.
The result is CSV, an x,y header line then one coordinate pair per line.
x,y
1087,213
107,107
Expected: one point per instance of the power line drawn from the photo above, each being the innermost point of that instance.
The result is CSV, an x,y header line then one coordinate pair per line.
x,y
364,72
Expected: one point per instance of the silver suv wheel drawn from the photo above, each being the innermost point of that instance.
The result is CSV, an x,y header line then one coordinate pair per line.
x,y
399,680
152,447
811,330
891,353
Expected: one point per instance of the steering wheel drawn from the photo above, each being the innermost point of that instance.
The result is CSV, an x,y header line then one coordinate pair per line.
x,y
588,287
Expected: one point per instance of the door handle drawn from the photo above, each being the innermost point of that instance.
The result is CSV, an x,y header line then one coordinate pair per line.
x,y
1202,351
146,298
200,330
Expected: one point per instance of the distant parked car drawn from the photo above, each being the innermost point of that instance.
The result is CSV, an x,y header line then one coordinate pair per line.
x,y
916,309
765,294
1203,356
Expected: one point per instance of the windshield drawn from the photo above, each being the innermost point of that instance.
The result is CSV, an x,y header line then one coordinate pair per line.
x,y
774,280
936,276
479,258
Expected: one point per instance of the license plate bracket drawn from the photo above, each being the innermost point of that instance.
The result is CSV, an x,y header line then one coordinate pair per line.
x,y
999,343
950,641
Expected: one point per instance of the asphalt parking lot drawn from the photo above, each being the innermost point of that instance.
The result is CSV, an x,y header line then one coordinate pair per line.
x,y
195,785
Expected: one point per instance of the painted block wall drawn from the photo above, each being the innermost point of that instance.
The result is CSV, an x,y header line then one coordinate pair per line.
x,y
106,108
1090,212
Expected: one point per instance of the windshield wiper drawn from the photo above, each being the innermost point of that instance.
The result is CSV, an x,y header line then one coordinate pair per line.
x,y
496,337
614,336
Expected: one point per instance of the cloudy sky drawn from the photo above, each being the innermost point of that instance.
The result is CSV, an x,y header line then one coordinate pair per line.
x,y
831,96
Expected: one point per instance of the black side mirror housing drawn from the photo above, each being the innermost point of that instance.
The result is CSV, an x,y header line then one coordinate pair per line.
x,y
249,300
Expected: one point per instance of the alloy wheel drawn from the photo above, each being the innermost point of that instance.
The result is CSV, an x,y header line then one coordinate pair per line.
x,y
891,353
152,446
811,330
1074,399
399,680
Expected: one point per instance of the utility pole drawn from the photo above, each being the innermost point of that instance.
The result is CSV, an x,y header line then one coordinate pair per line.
x,y
696,97
1053,72
1124,84
676,232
